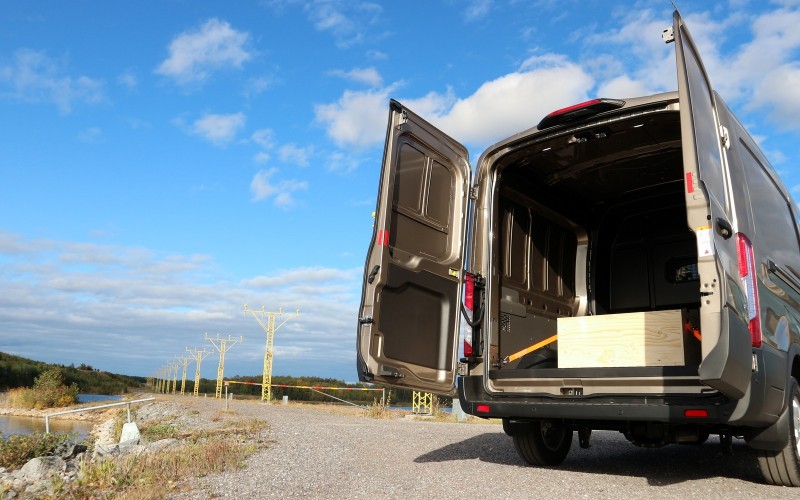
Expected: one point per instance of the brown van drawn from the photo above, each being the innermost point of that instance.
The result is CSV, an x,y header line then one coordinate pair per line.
x,y
627,264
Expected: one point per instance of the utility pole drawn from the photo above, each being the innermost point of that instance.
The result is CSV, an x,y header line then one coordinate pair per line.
x,y
222,346
185,362
269,328
198,357
174,368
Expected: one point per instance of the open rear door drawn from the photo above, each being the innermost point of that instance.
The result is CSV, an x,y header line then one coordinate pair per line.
x,y
727,354
410,303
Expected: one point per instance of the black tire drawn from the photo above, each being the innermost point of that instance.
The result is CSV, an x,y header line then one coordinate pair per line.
x,y
782,468
547,443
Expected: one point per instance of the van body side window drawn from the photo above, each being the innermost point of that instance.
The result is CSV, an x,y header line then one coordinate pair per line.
x,y
776,236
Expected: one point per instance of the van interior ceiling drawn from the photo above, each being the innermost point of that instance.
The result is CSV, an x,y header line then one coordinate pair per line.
x,y
592,223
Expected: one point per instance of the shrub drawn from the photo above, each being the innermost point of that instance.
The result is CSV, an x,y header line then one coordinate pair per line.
x,y
16,450
48,391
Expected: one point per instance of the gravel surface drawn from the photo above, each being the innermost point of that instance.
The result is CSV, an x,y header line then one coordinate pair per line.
x,y
314,452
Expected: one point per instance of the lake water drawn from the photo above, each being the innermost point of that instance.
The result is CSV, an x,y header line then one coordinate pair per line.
x,y
12,425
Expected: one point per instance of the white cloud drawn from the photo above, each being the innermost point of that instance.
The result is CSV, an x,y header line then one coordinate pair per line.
x,y
255,86
295,155
261,157
263,187
498,108
477,9
368,76
31,76
137,309
357,119
128,79
345,20
338,161
193,55
219,129
264,137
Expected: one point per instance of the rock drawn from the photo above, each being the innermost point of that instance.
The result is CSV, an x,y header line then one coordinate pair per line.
x,y
162,444
39,489
69,450
105,450
130,434
40,468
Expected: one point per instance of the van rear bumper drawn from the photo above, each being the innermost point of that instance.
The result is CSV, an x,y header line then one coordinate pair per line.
x,y
665,409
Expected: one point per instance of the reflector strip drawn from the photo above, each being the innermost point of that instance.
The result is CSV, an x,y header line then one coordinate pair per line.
x,y
695,413
383,238
689,183
483,408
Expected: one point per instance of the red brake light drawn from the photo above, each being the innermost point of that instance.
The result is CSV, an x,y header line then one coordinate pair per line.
x,y
574,107
747,275
580,110
695,413
469,303
469,291
482,408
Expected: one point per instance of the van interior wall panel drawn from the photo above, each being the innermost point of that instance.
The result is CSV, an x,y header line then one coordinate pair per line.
x,y
622,186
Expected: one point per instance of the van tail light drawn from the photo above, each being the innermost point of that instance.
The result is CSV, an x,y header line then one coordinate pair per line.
x,y
747,275
469,304
469,291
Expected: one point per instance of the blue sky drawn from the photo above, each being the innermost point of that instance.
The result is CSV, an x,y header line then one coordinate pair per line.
x,y
164,163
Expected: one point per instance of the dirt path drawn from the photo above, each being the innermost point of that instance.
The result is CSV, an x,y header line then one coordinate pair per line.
x,y
314,453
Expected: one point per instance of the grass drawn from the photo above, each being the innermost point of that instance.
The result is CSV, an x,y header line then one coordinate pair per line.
x,y
157,475
18,449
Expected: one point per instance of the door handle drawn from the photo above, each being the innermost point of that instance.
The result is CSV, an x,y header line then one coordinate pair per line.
x,y
724,228
373,273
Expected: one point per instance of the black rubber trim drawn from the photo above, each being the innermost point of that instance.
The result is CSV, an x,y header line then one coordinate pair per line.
x,y
635,371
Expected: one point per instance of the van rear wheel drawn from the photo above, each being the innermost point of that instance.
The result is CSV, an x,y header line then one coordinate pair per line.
x,y
782,468
546,442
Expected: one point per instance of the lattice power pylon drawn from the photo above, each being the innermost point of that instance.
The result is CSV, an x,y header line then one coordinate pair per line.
x,y
222,346
198,356
184,360
269,328
174,367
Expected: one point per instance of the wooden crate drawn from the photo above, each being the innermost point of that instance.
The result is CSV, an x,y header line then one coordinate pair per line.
x,y
614,340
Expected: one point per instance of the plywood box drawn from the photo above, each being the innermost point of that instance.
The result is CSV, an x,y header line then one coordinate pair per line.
x,y
652,338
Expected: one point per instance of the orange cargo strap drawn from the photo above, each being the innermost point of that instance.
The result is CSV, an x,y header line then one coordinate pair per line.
x,y
532,348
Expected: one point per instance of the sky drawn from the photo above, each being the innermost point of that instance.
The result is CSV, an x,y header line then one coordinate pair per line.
x,y
164,163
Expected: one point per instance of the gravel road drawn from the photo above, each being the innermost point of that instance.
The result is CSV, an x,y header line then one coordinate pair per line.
x,y
314,453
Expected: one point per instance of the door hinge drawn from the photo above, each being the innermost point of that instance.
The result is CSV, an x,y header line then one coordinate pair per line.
x,y
668,35
365,321
403,119
473,193
724,137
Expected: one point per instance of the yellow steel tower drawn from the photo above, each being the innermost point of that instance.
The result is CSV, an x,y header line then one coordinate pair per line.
x,y
184,360
174,367
223,346
269,328
198,356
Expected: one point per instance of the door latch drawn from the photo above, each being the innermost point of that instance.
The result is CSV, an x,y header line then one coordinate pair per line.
x,y
373,273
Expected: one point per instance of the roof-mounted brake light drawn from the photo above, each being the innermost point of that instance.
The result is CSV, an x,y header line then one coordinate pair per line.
x,y
578,111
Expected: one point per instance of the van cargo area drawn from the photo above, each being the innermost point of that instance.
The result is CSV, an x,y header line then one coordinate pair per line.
x,y
631,297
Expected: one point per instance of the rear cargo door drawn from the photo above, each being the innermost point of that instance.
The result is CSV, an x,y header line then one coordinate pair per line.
x,y
410,303
726,363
